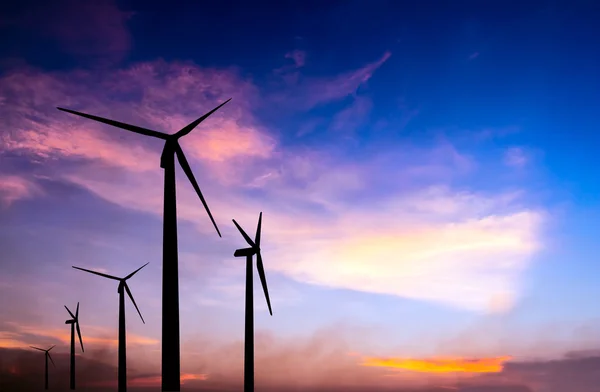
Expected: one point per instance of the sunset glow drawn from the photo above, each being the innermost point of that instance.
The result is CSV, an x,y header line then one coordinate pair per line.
x,y
441,365
425,173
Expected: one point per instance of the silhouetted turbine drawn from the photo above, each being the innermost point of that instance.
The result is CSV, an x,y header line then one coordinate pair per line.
x,y
74,321
249,333
122,342
47,355
170,300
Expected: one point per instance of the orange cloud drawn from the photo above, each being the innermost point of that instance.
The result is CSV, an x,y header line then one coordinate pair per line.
x,y
441,365
11,340
91,335
151,381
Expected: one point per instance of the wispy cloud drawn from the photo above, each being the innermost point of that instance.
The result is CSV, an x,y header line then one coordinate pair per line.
x,y
23,335
308,92
515,157
374,225
298,56
353,116
13,188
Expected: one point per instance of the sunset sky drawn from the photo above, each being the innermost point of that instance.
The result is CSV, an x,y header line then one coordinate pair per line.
x,y
426,172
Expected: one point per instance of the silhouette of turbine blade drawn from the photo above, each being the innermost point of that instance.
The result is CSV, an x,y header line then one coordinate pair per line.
x,y
133,301
50,356
128,127
135,272
72,315
37,348
77,313
188,172
246,237
51,347
97,273
257,236
79,335
188,128
263,280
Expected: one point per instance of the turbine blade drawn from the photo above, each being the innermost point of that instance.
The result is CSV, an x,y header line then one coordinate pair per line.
x,y
79,335
263,280
97,273
135,272
50,356
246,237
37,348
127,127
72,315
51,347
188,172
257,236
77,312
188,128
133,300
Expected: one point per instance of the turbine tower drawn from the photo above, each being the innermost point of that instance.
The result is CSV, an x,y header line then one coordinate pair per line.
x,y
47,355
170,290
74,321
122,342
249,333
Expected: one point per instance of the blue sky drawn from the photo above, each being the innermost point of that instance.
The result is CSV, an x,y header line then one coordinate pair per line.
x,y
425,171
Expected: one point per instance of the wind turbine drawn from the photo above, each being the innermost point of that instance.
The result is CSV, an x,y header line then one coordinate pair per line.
x,y
47,355
170,293
122,287
74,321
249,333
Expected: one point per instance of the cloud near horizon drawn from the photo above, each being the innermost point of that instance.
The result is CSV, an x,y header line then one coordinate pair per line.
x,y
441,365
324,222
281,362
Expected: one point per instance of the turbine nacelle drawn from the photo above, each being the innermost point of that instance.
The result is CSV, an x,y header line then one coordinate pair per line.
x,y
245,252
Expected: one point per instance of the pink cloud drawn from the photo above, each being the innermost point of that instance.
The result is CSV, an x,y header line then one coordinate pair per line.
x,y
323,90
37,127
13,188
307,92
298,56
348,119
317,204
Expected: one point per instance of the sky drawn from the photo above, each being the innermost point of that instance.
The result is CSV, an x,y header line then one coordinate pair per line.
x,y
425,170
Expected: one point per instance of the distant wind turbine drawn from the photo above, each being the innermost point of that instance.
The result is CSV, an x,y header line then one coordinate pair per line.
x,y
74,321
47,355
170,300
122,342
249,333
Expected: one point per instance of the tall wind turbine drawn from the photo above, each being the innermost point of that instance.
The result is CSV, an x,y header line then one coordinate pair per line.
x,y
74,321
122,287
47,355
249,334
170,293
